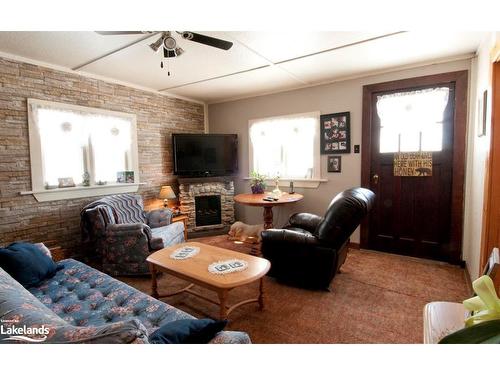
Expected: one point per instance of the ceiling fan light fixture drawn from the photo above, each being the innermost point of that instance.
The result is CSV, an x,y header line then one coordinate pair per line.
x,y
187,35
168,53
169,43
156,45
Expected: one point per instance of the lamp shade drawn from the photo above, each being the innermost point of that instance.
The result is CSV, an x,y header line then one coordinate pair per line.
x,y
166,192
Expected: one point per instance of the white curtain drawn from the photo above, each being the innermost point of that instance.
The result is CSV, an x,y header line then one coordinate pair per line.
x,y
111,145
67,135
284,146
412,120
62,137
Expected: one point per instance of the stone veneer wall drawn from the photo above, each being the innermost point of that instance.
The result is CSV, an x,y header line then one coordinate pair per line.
x,y
188,191
22,217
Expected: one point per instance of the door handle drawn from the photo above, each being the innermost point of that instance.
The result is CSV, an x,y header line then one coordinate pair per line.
x,y
375,179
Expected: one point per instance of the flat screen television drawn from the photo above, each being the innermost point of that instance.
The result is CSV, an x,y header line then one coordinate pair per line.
x,y
198,155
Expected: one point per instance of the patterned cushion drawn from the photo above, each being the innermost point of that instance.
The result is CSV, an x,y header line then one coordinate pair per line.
x,y
85,297
171,234
19,308
159,218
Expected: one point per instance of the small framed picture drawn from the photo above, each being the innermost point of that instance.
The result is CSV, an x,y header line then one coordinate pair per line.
x,y
335,164
335,130
125,177
66,182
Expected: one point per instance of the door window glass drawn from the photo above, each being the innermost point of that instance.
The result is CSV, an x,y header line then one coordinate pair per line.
x,y
413,120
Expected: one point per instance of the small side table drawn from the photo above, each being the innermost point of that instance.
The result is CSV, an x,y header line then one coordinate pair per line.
x,y
184,219
258,201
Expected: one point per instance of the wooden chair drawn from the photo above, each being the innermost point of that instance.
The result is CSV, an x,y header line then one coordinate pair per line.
x,y
443,318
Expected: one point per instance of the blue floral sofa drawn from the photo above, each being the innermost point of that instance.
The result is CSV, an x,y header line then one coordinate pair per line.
x,y
79,304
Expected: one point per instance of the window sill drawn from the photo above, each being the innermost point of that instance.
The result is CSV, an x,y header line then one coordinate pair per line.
x,y
312,183
82,191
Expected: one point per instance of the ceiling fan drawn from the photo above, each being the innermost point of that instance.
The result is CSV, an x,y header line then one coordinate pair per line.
x,y
169,44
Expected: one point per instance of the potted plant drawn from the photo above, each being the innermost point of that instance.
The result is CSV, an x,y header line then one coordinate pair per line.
x,y
258,183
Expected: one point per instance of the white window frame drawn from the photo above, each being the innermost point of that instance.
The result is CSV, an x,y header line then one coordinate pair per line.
x,y
37,184
312,182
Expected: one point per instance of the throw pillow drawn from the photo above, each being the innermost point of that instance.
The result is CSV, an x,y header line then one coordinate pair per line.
x,y
44,249
26,263
187,331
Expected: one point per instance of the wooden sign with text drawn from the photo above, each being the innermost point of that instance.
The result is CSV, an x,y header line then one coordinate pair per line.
x,y
413,164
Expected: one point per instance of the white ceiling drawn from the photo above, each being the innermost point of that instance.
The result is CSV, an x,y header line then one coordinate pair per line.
x,y
258,62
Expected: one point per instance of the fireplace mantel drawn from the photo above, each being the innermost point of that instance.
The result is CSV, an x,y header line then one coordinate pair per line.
x,y
203,180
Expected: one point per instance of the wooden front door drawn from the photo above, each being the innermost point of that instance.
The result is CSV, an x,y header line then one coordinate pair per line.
x,y
416,216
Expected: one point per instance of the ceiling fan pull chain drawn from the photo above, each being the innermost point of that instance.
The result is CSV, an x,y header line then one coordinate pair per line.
x,y
161,64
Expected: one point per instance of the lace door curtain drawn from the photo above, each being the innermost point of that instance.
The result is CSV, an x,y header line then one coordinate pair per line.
x,y
412,120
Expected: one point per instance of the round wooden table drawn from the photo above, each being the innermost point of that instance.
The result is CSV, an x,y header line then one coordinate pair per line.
x,y
258,200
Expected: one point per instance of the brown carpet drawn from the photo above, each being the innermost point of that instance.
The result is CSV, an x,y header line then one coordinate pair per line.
x,y
378,298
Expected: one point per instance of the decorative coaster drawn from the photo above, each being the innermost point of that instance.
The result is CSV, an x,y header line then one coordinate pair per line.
x,y
227,266
185,252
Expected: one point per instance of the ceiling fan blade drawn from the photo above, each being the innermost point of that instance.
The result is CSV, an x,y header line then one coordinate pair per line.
x,y
208,40
122,32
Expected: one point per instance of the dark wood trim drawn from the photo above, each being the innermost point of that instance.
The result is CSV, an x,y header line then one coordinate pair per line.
x,y
366,151
490,236
460,79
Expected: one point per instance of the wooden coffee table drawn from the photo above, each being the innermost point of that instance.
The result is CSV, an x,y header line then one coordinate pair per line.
x,y
195,270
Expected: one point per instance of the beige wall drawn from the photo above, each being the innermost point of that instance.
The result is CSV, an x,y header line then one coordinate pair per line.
x,y
232,117
478,149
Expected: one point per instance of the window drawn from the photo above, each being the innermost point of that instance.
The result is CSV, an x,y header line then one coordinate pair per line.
x,y
82,146
412,120
287,146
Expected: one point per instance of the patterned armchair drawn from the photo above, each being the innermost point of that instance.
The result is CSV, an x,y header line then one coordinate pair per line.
x,y
123,234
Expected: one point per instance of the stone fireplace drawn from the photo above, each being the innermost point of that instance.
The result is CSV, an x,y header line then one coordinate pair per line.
x,y
207,210
208,203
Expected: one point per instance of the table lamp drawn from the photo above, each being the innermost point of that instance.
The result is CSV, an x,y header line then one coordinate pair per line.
x,y
166,193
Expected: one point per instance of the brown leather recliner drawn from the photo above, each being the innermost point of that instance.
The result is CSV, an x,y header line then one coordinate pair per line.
x,y
310,250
